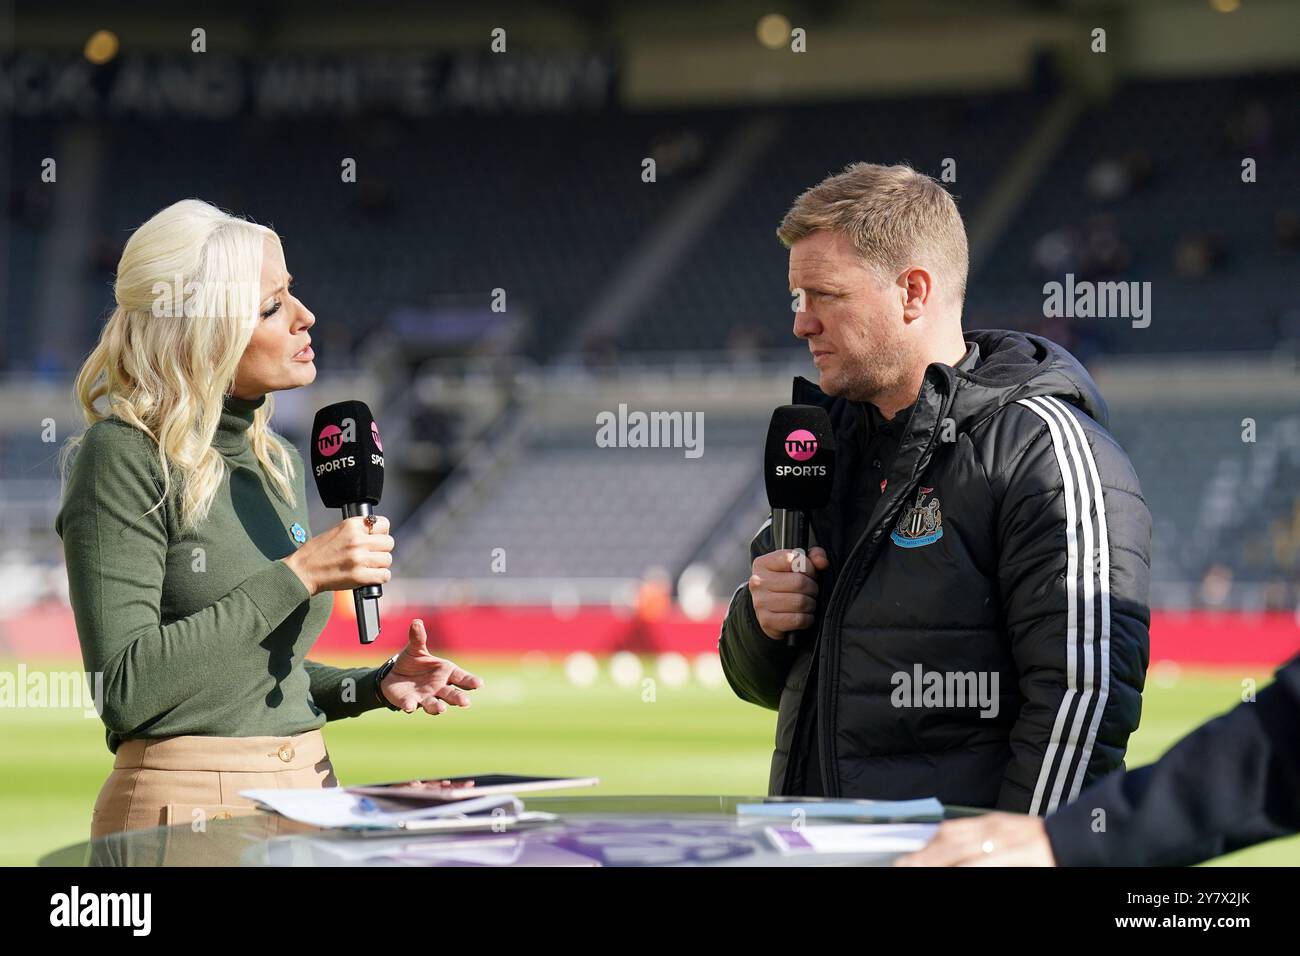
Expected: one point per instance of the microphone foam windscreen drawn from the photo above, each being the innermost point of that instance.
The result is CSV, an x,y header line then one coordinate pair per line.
x,y
799,461
347,457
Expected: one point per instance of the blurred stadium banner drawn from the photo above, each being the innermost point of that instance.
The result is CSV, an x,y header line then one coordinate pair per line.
x,y
1193,638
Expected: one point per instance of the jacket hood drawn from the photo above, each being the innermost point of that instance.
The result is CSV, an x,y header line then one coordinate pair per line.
x,y
1013,365
1016,365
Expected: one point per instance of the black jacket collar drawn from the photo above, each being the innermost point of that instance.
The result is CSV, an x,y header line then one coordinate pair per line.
x,y
1007,367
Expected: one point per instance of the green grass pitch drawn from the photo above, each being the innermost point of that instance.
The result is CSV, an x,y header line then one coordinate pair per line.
x,y
528,718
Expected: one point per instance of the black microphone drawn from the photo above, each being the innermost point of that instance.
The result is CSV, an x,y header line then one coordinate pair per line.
x,y
347,459
798,467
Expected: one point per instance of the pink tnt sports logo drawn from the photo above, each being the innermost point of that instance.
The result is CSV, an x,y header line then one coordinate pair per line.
x,y
801,444
374,433
330,440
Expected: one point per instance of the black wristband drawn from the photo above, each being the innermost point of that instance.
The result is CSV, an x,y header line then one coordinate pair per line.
x,y
380,674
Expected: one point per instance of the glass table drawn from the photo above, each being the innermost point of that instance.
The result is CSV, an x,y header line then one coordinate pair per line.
x,y
591,831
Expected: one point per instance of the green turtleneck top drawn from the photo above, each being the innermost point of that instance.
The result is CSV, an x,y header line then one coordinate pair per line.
x,y
204,632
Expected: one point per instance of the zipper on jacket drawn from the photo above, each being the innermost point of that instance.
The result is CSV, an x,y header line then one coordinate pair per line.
x,y
837,590
786,780
820,729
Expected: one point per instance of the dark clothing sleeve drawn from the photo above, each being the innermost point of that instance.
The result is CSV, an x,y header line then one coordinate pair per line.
x,y
1231,783
755,665
1073,572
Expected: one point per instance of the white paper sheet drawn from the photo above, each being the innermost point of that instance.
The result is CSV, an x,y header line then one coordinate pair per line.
x,y
337,807
862,838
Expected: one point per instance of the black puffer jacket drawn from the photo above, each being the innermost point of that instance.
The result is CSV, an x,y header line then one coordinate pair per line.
x,y
1011,545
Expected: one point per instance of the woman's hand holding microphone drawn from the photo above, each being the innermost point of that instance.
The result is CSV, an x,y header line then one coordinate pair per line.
x,y
347,556
352,555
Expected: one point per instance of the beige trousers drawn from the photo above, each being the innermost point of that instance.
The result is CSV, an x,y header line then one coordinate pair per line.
x,y
165,781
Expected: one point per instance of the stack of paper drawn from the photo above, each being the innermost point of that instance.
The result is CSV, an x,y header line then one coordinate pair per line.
x,y
337,807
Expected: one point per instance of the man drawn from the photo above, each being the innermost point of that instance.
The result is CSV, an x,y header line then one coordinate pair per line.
x,y
1231,783
971,623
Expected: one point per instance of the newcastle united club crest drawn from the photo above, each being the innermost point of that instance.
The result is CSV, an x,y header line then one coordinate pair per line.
x,y
921,524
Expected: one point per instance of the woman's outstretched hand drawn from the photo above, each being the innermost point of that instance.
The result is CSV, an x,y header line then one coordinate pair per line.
x,y
418,679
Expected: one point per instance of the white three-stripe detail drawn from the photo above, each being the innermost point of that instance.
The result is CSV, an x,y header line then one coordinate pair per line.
x,y
1103,580
1091,566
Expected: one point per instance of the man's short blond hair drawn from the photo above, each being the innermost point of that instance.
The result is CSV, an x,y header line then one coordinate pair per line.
x,y
893,216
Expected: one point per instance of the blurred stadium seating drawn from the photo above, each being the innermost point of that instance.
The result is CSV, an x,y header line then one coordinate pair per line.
x,y
679,286
1150,173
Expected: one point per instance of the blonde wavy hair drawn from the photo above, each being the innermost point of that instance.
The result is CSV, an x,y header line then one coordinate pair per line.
x,y
187,298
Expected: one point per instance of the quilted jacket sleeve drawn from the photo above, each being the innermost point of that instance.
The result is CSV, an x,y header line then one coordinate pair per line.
x,y
755,665
1074,575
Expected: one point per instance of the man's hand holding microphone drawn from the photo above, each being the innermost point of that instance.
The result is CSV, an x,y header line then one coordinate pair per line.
x,y
783,587
798,469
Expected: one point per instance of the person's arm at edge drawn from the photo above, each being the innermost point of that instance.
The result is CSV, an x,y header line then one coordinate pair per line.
x,y
1231,783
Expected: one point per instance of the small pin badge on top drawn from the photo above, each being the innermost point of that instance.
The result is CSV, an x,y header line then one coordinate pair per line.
x,y
298,531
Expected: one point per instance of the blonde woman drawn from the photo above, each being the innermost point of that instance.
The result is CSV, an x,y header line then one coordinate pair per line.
x,y
197,587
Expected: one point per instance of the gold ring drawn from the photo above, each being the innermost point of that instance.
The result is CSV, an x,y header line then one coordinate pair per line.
x,y
370,523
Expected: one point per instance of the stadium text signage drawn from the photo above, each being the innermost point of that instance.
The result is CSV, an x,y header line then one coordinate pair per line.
x,y
215,87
